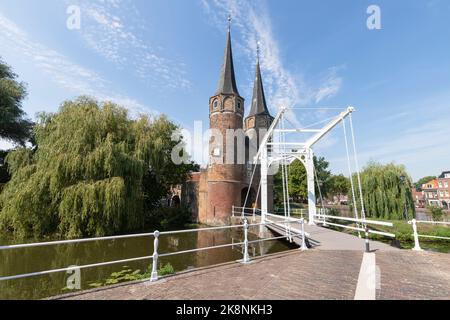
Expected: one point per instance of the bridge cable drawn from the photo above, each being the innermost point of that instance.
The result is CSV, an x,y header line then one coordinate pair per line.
x,y
318,187
363,212
284,177
351,175
250,186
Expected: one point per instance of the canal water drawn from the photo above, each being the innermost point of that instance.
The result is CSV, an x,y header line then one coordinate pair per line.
x,y
27,260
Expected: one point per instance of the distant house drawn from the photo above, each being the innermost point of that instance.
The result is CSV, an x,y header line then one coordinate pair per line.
x,y
419,198
430,191
437,191
444,189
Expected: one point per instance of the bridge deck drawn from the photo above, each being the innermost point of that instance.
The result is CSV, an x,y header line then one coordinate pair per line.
x,y
314,274
327,239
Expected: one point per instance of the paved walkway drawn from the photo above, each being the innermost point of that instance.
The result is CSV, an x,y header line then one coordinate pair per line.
x,y
314,274
327,239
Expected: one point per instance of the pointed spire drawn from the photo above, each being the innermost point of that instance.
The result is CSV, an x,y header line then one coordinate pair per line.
x,y
259,105
227,80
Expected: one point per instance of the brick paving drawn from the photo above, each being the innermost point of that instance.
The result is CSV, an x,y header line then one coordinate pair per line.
x,y
292,275
314,274
414,275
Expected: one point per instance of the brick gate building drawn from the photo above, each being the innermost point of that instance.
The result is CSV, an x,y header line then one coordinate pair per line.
x,y
213,192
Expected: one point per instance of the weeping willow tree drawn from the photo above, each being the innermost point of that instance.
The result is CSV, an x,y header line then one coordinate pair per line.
x,y
94,172
387,192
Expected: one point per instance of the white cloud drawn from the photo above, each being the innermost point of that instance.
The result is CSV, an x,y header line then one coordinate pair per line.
x,y
330,86
110,28
60,69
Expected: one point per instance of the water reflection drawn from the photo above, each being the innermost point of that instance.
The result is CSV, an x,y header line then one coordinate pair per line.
x,y
28,260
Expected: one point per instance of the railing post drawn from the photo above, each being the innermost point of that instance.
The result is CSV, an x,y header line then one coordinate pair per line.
x,y
232,211
367,239
416,236
302,223
246,256
324,212
154,276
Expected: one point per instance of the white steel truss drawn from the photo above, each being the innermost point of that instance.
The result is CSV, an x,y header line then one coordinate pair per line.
x,y
298,150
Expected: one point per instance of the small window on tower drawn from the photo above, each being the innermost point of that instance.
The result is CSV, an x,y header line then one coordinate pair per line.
x,y
216,152
239,105
215,104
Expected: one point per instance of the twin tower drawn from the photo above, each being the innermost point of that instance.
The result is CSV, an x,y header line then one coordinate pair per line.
x,y
214,191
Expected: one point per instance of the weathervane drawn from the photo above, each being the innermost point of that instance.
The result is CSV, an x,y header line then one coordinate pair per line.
x,y
258,49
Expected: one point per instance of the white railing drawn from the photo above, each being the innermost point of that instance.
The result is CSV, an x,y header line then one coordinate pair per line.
x,y
361,226
243,212
322,219
156,255
416,234
295,212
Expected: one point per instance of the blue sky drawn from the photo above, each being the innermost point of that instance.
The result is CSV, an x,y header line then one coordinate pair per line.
x,y
165,56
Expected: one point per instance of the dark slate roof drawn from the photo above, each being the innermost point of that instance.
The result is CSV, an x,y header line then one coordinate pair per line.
x,y
442,176
259,105
227,80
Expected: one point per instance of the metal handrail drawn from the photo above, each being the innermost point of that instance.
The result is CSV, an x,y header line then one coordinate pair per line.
x,y
387,234
433,222
323,219
51,243
416,234
155,255
365,221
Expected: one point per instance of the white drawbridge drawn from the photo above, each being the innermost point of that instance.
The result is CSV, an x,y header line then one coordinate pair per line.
x,y
276,151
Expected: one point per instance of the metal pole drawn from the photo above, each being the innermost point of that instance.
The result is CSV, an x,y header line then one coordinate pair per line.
x,y
311,186
416,236
246,256
367,239
154,276
302,223
264,172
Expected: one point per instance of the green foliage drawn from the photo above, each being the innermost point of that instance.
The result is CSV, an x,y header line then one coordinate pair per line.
x,y
298,180
333,212
127,274
166,270
4,173
436,212
418,184
13,126
94,172
339,185
386,196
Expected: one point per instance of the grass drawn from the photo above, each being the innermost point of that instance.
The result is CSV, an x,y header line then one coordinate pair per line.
x,y
404,234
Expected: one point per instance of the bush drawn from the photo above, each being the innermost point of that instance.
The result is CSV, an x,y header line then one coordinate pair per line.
x,y
436,212
333,212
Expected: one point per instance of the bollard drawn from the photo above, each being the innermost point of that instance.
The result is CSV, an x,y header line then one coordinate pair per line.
x,y
367,239
154,276
246,256
416,236
302,223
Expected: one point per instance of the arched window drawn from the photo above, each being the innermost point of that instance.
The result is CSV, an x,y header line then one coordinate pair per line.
x,y
215,104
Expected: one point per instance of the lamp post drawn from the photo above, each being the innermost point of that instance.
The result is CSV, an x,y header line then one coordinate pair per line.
x,y
403,181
